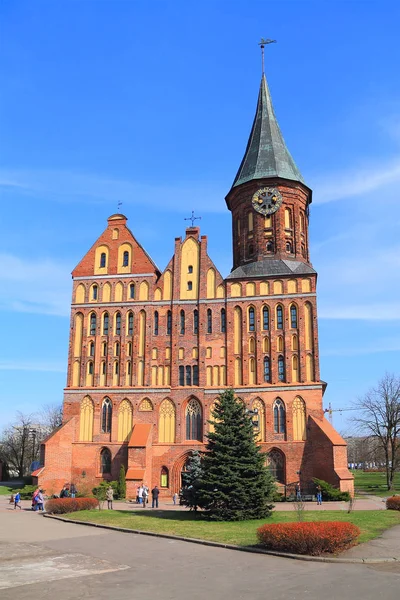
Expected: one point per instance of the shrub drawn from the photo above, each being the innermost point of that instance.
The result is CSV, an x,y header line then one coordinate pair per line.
x,y
100,490
393,503
59,506
122,483
27,491
312,538
329,492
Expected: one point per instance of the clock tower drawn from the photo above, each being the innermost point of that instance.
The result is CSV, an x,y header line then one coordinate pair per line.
x,y
269,202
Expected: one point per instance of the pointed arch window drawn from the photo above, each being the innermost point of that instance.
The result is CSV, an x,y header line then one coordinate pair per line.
x,y
196,322
252,319
293,317
156,322
188,375
104,349
289,247
130,323
193,420
164,477
265,316
93,324
276,461
269,246
209,320
95,291
125,259
279,317
169,322
190,269
106,415
267,369
105,461
91,349
279,416
118,324
223,320
103,260
106,321
116,349
90,368
132,291
182,320
281,368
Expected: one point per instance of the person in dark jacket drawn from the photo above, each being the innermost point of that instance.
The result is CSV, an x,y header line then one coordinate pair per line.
x,y
155,492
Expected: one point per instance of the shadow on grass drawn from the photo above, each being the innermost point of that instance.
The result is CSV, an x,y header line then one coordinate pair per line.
x,y
171,515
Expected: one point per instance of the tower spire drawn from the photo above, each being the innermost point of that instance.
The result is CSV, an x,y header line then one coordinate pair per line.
x,y
262,45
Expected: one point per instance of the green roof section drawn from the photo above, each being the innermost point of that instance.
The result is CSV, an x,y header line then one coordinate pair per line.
x,y
266,153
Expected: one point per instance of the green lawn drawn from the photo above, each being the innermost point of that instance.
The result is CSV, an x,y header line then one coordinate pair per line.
x,y
242,533
5,490
374,483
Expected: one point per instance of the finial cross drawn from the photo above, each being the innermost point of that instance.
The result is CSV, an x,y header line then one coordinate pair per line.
x,y
262,44
192,218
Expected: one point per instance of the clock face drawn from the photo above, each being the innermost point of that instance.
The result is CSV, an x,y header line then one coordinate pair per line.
x,y
266,200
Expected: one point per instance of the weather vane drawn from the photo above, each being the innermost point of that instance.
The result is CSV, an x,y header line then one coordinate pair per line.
x,y
192,218
262,44
119,204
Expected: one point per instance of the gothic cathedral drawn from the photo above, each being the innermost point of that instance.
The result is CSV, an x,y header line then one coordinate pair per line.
x,y
149,352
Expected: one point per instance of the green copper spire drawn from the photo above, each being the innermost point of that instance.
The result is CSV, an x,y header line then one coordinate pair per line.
x,y
266,153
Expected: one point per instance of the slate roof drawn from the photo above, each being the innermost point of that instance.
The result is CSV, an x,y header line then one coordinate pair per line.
x,y
271,266
266,153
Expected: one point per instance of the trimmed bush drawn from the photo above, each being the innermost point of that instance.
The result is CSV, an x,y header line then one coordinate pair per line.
x,y
393,503
329,492
100,490
26,492
312,538
59,506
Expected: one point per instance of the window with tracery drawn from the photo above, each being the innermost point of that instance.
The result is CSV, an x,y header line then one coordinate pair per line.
x,y
267,369
276,462
265,316
106,415
223,320
193,420
105,461
279,416
93,324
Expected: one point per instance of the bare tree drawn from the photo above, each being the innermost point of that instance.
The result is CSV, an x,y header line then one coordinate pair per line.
x,y
379,415
50,416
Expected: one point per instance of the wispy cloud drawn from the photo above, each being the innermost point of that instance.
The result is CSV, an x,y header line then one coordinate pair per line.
x,y
70,186
356,181
34,286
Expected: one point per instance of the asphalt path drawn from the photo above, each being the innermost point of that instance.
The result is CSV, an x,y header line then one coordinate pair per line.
x,y
47,559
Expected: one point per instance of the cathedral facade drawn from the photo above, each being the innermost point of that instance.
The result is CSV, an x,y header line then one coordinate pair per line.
x,y
150,351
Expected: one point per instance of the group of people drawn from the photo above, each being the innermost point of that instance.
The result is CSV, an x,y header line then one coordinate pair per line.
x,y
37,500
68,491
142,495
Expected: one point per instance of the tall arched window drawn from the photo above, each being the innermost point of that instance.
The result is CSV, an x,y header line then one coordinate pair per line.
x,y
196,322
106,415
125,259
182,328
281,368
95,291
223,320
279,317
118,324
102,260
164,477
92,324
169,322
181,375
86,420
267,369
156,322
116,349
279,416
276,461
124,420
195,372
132,291
166,427
209,320
105,461
265,316
193,420
259,421
106,321
130,323
299,419
91,349
293,317
252,320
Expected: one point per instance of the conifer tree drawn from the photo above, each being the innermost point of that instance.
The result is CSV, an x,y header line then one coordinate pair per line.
x,y
235,484
122,483
191,480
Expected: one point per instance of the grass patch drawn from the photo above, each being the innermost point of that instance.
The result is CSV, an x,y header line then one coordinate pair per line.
x,y
374,483
6,490
241,533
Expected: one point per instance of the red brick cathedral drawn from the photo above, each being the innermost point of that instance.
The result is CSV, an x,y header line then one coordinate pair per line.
x,y
150,351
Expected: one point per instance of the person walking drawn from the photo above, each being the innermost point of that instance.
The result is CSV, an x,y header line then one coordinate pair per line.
x,y
35,493
73,490
298,491
319,495
155,492
110,497
39,501
145,493
17,501
175,498
140,494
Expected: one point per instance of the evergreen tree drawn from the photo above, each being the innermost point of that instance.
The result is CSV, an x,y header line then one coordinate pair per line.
x,y
122,483
191,481
236,484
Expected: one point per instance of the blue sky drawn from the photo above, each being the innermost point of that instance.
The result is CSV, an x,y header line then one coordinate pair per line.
x,y
151,104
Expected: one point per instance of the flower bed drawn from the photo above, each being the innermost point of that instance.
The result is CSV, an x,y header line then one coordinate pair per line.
x,y
393,503
313,538
59,506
